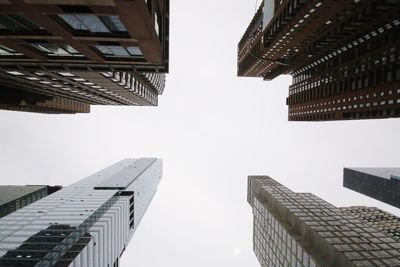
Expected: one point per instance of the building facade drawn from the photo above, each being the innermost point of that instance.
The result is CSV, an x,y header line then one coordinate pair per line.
x,y
343,56
64,51
14,197
300,229
88,223
382,184
384,221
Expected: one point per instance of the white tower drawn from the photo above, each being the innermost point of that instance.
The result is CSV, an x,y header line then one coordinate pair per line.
x,y
88,223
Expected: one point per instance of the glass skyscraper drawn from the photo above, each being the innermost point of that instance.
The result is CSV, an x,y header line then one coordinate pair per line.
x,y
301,229
382,184
88,223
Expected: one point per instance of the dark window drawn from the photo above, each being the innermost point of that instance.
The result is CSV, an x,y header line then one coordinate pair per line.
x,y
18,23
93,23
75,9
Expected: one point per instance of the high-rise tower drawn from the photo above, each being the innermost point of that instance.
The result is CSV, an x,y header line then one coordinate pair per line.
x,y
88,223
382,184
63,56
343,56
300,229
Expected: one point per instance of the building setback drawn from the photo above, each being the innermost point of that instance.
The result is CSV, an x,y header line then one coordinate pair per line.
x,y
343,56
88,223
382,184
14,197
300,229
63,56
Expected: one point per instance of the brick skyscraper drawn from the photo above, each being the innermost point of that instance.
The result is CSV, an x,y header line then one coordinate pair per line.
x,y
63,56
343,56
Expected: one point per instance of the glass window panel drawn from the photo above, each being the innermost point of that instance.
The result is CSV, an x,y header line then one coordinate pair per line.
x,y
134,51
113,23
84,23
57,50
119,51
93,23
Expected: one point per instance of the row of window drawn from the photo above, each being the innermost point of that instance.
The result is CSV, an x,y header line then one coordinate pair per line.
x,y
22,202
385,59
64,50
19,24
106,97
81,24
336,88
43,79
134,85
371,72
349,26
280,21
355,106
362,101
356,49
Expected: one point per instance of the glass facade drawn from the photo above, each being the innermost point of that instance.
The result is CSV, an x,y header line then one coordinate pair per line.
x,y
379,183
87,226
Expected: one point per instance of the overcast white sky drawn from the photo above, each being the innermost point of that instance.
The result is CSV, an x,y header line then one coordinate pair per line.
x,y
213,130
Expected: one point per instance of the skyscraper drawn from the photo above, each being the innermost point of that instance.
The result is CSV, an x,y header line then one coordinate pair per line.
x,y
14,197
300,229
88,223
63,56
382,184
343,56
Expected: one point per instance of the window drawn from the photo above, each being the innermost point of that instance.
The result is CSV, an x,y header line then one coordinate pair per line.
x,y
117,51
5,51
16,73
17,23
156,24
57,50
66,74
94,24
